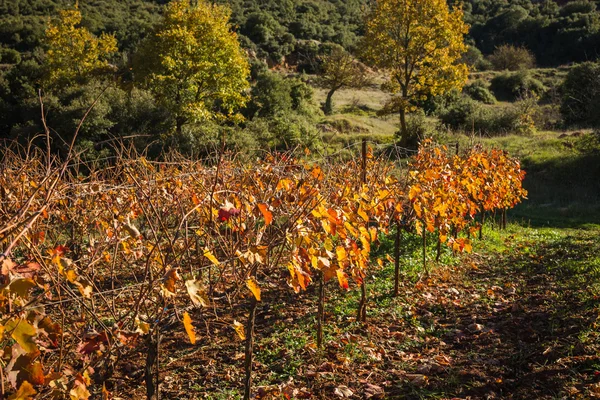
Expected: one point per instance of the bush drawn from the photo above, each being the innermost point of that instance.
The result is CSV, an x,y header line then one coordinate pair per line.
x,y
9,56
418,128
284,132
509,86
459,114
507,57
580,94
469,116
478,90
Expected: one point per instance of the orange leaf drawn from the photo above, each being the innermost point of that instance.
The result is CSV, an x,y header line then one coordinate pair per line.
x,y
264,209
253,286
189,328
343,279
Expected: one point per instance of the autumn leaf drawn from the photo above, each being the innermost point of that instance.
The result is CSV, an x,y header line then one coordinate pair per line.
x,y
239,329
211,257
254,288
79,390
189,328
23,332
36,373
197,292
169,281
343,279
142,327
264,209
25,392
341,254
21,287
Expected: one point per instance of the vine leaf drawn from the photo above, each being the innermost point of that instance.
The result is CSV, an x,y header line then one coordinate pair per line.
x,y
211,257
343,279
268,215
197,292
23,332
25,392
239,329
254,288
189,328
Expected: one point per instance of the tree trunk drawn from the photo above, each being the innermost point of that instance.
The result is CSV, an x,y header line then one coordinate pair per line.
x,y
403,128
328,108
249,348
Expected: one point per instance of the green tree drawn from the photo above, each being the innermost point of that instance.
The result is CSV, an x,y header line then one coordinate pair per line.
x,y
420,44
193,64
581,95
338,70
507,57
73,53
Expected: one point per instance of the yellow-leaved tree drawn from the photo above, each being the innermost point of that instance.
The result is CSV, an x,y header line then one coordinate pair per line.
x,y
419,44
193,63
73,54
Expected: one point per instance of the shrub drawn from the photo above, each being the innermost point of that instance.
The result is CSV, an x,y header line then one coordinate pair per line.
x,y
478,90
472,57
581,95
510,86
417,128
284,131
470,116
9,56
507,57
457,115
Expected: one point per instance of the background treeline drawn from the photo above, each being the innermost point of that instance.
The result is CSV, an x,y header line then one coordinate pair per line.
x,y
557,32
282,112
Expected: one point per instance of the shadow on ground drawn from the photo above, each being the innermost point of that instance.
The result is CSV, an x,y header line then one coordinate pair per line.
x,y
524,328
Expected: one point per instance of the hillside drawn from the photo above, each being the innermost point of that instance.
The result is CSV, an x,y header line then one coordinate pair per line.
x,y
556,34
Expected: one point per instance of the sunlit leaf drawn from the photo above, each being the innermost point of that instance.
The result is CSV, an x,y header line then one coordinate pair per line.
x,y
23,332
240,330
211,257
189,328
197,292
25,392
254,288
264,209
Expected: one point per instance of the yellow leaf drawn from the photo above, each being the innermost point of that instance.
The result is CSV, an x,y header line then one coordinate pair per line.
x,y
341,254
361,212
25,392
21,287
189,328
268,215
23,332
211,257
239,329
142,327
197,292
71,276
253,286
